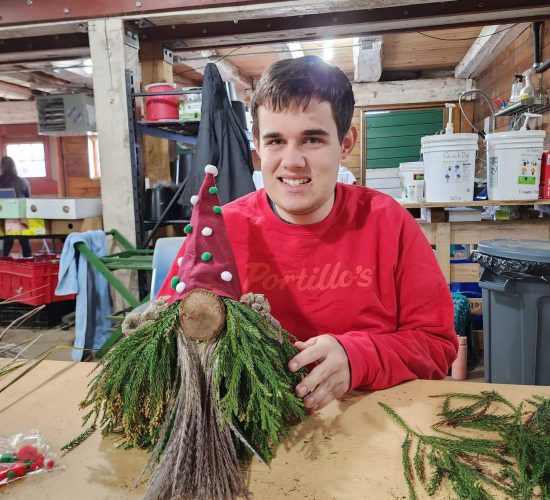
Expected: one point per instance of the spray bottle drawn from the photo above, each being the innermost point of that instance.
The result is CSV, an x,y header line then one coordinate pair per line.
x,y
516,88
449,128
528,90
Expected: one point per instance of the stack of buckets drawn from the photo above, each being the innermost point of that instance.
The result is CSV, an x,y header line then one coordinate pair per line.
x,y
513,165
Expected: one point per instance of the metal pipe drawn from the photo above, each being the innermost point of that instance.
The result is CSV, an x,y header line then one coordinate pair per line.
x,y
539,67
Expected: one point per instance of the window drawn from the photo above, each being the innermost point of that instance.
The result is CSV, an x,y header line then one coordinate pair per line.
x,y
93,157
29,158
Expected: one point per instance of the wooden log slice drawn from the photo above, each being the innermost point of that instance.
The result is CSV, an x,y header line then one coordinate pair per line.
x,y
201,314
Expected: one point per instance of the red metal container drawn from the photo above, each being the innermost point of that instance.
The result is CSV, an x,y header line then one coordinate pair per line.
x,y
30,282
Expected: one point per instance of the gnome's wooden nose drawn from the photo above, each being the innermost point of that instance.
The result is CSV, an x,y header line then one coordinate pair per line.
x,y
202,314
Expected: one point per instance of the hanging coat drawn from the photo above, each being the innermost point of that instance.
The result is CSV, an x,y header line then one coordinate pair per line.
x,y
221,142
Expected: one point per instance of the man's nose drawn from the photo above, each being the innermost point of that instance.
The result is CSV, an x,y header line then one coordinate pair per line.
x,y
293,157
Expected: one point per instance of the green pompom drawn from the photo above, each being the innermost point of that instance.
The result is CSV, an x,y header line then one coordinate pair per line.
x,y
11,474
217,209
187,229
213,190
206,256
174,282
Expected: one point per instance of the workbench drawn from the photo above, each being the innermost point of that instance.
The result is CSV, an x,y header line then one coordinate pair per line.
x,y
349,450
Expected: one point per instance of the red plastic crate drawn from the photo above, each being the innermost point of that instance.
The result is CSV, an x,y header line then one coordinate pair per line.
x,y
30,282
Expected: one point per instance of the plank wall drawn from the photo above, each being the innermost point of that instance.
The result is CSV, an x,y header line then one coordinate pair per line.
x,y
497,79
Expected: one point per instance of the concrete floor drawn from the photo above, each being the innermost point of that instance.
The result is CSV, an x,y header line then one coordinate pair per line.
x,y
45,339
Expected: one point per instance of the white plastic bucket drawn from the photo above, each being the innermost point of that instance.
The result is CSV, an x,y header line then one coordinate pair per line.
x,y
411,181
449,164
513,164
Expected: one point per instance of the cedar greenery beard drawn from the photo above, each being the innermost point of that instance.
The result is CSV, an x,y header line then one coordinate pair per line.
x,y
295,82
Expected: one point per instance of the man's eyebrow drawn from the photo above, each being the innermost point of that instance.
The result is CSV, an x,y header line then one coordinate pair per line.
x,y
272,135
315,131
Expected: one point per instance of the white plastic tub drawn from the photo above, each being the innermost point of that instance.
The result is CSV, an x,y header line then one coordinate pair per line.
x,y
513,164
411,180
449,163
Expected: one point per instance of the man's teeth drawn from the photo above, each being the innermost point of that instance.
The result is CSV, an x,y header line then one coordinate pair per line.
x,y
294,182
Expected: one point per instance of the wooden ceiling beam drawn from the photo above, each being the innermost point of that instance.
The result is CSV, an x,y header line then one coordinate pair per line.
x,y
14,92
492,41
16,12
197,60
413,17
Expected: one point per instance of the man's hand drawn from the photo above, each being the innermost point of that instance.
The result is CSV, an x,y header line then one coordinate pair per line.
x,y
330,379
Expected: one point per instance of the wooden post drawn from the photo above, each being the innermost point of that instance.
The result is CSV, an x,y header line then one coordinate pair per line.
x,y
443,248
108,53
111,57
155,68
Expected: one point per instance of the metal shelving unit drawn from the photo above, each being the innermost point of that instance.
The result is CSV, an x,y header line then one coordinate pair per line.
x,y
523,107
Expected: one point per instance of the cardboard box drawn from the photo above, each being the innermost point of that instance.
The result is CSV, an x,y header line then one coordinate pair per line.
x,y
34,227
26,227
13,208
63,208
76,226
12,227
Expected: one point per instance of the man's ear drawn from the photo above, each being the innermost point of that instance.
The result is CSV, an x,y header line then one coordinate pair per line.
x,y
256,144
348,143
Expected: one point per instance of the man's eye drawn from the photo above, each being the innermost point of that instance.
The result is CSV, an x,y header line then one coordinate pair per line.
x,y
274,142
313,140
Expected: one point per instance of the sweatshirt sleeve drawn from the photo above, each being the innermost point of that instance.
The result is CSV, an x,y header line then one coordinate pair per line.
x,y
424,343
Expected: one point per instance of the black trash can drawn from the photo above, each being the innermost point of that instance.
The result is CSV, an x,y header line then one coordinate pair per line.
x,y
515,282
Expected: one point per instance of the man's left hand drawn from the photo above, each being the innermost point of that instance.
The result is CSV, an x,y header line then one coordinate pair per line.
x,y
330,379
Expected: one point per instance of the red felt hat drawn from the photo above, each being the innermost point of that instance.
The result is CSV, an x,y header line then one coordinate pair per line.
x,y
208,261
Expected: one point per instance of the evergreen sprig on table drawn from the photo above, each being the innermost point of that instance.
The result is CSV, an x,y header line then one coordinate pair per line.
x,y
514,460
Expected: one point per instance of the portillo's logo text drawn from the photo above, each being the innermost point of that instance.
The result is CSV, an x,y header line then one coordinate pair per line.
x,y
330,276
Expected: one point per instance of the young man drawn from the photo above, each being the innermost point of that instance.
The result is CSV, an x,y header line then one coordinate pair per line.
x,y
345,268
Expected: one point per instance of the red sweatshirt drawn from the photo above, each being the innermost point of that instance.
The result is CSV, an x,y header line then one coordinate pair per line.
x,y
365,274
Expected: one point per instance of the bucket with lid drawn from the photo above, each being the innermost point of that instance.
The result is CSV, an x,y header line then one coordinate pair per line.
x,y
161,107
513,164
449,163
411,174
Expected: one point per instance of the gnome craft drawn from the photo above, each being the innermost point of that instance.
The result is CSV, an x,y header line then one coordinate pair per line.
x,y
200,378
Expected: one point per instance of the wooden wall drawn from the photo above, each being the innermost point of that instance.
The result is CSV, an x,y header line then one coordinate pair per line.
x,y
75,168
497,79
353,161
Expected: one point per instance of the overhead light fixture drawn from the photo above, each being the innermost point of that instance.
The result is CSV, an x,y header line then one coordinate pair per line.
x,y
328,51
295,49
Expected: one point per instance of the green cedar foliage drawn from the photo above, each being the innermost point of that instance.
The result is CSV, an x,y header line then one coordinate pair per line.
x,y
135,383
255,385
514,460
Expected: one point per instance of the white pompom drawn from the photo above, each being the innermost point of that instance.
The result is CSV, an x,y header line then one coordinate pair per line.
x,y
211,169
206,231
180,260
194,199
226,276
180,287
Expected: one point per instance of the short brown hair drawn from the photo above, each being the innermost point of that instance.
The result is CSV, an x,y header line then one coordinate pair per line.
x,y
296,81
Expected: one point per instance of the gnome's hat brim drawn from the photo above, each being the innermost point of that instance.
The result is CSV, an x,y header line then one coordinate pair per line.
x,y
208,261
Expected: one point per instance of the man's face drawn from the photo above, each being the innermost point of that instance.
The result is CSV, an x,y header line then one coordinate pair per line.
x,y
300,155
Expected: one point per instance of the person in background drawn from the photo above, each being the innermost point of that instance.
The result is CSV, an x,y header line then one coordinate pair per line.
x,y
10,180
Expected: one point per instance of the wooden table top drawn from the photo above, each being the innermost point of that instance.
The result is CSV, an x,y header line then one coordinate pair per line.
x,y
349,450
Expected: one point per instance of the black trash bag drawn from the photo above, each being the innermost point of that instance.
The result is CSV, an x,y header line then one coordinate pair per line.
x,y
512,268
